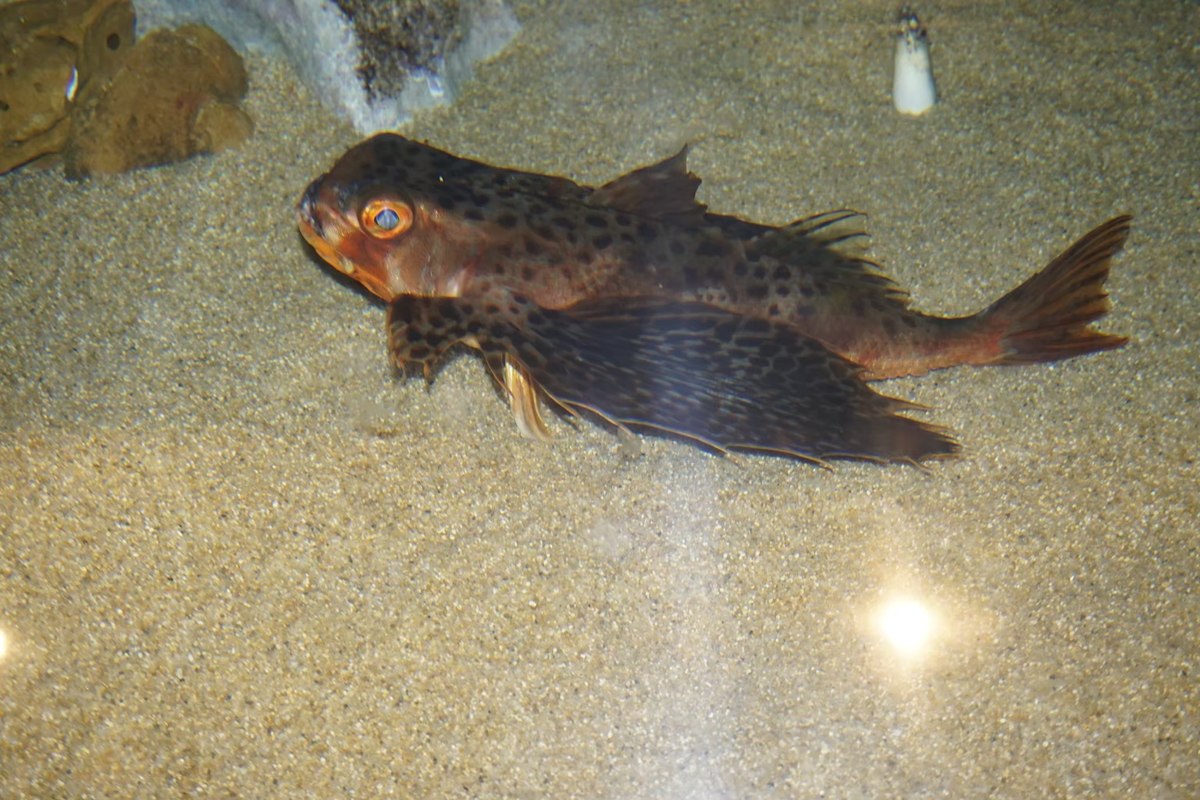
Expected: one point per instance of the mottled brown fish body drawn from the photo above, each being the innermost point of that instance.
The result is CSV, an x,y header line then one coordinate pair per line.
x,y
408,220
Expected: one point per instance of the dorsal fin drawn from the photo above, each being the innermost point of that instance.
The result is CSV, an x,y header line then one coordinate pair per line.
x,y
841,231
665,191
831,246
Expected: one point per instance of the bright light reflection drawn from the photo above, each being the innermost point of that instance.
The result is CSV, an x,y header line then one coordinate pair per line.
x,y
3,644
906,624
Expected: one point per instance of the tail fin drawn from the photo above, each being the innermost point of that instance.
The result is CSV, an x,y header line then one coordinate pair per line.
x,y
1047,318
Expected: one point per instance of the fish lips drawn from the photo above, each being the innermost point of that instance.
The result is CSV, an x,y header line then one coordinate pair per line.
x,y
306,209
312,224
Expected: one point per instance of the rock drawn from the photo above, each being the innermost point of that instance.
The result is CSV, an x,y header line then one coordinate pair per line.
x,y
52,53
375,63
176,95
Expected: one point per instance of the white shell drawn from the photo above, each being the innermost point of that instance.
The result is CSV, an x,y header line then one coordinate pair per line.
x,y
913,91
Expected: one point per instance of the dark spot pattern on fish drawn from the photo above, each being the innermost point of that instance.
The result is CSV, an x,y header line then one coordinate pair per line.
x,y
635,301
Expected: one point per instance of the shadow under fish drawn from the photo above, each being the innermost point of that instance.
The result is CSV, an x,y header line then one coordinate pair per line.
x,y
634,302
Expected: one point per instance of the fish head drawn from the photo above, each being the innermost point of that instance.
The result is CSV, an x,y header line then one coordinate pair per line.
x,y
372,218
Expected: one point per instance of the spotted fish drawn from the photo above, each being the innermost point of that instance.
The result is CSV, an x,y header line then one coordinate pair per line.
x,y
632,301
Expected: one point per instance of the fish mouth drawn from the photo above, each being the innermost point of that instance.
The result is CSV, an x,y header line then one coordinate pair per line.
x,y
332,236
310,223
314,230
324,248
308,200
320,239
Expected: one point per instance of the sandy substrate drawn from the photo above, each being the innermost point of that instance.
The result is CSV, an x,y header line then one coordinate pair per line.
x,y
238,557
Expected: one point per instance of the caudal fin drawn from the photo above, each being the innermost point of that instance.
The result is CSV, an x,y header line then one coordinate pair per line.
x,y
1047,318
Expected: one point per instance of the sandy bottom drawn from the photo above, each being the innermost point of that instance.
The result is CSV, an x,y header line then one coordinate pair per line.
x,y
238,557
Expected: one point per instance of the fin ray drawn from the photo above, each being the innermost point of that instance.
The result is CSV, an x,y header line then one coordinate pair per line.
x,y
725,380
1049,316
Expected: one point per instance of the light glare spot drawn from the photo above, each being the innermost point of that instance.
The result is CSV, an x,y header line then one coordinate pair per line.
x,y
72,84
906,624
3,644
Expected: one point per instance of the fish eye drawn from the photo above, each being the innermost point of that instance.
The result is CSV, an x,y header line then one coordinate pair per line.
x,y
385,218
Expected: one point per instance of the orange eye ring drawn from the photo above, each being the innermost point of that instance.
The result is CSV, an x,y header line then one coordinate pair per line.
x,y
385,218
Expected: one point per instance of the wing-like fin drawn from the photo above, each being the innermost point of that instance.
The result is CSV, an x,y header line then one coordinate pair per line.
x,y
522,398
724,380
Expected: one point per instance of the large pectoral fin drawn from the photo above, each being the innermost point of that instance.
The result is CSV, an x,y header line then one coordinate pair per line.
x,y
727,381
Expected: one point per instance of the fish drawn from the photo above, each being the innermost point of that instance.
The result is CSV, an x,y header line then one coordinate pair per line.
x,y
633,302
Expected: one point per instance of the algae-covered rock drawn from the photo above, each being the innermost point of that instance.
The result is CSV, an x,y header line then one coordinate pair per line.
x,y
52,54
176,95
